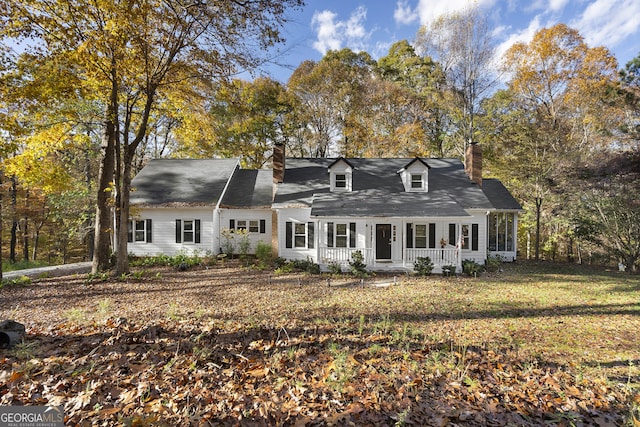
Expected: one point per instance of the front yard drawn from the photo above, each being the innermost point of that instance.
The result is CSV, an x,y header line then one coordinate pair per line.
x,y
533,345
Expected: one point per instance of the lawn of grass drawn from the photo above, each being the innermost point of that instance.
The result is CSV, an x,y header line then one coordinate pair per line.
x,y
535,344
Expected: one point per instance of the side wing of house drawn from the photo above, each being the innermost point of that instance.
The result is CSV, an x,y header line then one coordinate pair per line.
x,y
174,206
170,231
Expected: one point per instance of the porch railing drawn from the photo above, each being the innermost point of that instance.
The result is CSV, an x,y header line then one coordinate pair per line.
x,y
342,256
439,257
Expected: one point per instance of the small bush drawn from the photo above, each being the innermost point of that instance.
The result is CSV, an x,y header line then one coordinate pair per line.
x,y
423,266
471,268
449,270
358,267
263,253
493,263
306,265
279,262
335,267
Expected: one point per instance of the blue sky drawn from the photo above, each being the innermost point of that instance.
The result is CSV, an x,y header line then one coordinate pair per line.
x,y
373,25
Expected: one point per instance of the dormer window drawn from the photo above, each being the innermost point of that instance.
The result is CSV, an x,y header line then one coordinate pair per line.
x,y
341,175
415,176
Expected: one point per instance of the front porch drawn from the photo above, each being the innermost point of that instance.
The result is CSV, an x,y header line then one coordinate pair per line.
x,y
342,256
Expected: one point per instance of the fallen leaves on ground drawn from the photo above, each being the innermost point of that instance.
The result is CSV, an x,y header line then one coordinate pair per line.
x,y
182,370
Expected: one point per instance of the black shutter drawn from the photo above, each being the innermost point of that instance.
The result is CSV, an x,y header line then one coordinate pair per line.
x,y
432,235
232,224
178,231
352,234
263,226
409,235
310,235
474,237
197,221
452,234
148,230
329,234
129,231
289,234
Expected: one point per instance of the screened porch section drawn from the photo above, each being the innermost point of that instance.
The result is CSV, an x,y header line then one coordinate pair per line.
x,y
502,234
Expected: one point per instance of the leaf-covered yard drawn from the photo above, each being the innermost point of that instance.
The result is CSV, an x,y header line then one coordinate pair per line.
x,y
533,345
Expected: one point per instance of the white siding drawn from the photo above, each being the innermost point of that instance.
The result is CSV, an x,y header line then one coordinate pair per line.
x,y
164,231
302,215
246,215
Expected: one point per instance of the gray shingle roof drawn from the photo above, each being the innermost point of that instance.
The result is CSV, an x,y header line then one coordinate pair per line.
x,y
378,189
499,196
373,203
249,189
182,182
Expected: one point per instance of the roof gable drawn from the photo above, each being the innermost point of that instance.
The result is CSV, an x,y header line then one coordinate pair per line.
x,y
340,160
182,182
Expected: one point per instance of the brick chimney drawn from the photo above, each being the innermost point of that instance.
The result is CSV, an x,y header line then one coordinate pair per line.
x,y
278,163
473,163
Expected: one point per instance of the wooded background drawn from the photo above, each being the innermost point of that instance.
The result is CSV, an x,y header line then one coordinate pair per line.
x,y
90,91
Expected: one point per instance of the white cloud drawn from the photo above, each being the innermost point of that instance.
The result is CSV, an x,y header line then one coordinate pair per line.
x,y
557,5
608,22
404,14
429,10
327,30
334,34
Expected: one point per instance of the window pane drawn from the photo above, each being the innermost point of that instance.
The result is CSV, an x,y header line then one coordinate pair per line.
x,y
465,236
510,232
341,229
140,231
416,181
493,237
501,227
242,225
187,228
341,181
341,241
254,226
421,236
300,240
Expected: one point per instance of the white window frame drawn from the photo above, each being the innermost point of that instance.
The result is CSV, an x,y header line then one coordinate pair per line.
x,y
137,229
416,178
465,237
300,232
185,231
426,236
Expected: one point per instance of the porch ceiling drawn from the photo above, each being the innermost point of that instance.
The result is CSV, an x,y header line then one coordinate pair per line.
x,y
371,203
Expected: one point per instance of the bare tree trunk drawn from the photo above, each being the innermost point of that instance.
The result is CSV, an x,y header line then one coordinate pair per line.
x,y
14,221
25,238
103,226
122,260
1,180
538,209
90,237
